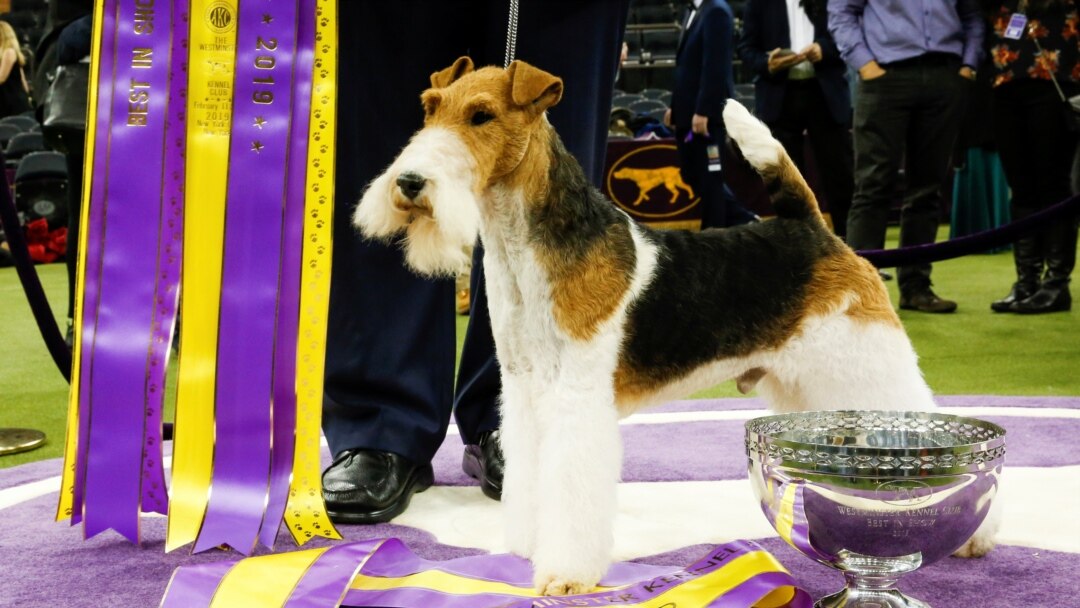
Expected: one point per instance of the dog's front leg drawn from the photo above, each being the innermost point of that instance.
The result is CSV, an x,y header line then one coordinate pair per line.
x,y
579,460
518,437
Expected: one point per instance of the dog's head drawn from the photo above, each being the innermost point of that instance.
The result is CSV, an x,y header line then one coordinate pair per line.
x,y
477,128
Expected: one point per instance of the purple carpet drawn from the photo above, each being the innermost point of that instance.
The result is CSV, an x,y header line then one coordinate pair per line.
x,y
43,563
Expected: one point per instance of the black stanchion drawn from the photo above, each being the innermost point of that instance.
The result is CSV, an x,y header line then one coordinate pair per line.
x,y
13,441
973,243
35,294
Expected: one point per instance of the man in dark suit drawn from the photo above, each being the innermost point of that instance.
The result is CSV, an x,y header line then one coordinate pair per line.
x,y
391,340
704,80
800,86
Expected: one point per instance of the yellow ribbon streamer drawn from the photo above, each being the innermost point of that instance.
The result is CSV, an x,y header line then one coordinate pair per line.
x,y
264,581
305,511
71,440
210,80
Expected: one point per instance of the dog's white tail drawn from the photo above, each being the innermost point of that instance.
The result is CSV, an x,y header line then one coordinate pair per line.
x,y
790,195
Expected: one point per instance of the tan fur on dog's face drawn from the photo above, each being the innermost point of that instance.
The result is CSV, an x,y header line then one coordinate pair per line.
x,y
496,112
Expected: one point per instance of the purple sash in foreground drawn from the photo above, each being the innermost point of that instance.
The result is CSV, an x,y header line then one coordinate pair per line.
x,y
123,332
381,573
255,209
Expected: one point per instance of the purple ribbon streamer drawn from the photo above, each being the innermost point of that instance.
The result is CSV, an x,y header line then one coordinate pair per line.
x,y
250,277
167,283
95,229
288,322
122,335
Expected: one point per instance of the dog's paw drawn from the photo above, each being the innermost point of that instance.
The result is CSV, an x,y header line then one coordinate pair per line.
x,y
555,585
977,546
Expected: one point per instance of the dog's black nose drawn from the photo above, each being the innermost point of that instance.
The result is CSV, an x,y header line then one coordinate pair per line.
x,y
411,184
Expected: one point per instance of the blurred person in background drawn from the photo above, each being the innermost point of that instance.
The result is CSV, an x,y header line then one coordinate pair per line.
x,y
916,61
1035,58
801,87
14,90
704,81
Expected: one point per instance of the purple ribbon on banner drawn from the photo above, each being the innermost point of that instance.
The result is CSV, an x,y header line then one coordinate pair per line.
x,y
288,322
123,328
251,274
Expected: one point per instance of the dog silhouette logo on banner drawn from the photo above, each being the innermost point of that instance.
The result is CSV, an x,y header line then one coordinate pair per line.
x,y
643,179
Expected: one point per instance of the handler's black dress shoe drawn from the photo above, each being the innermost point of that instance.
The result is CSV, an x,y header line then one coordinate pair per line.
x,y
484,462
371,486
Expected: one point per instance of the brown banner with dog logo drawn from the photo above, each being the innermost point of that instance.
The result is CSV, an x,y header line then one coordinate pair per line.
x,y
642,178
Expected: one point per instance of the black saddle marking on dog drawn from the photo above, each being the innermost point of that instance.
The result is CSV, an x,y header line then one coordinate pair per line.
x,y
721,293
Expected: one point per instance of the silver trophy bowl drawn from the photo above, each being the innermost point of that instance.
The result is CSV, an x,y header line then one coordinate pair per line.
x,y
874,494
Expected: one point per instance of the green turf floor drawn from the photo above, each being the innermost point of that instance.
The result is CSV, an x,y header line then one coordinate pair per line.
x,y
973,351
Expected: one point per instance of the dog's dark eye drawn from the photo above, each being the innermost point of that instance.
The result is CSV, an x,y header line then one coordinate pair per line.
x,y
480,117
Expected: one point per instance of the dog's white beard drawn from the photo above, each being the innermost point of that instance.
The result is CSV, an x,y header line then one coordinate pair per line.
x,y
439,245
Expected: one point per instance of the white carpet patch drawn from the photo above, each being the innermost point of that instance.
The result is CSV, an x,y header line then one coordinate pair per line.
x,y
664,516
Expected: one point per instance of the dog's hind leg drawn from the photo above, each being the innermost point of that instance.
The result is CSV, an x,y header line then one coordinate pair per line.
x,y
580,456
518,437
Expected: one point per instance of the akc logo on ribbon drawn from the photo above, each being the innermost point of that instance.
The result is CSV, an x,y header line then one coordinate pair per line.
x,y
219,16
644,181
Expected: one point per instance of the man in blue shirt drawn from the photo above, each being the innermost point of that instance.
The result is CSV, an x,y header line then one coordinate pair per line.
x,y
915,60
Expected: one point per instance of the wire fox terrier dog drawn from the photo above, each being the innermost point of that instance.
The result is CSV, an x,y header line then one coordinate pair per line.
x,y
595,316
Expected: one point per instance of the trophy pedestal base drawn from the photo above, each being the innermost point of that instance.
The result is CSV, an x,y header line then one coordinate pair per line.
x,y
869,598
13,441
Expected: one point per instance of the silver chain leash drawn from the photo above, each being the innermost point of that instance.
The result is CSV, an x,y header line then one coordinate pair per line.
x,y
511,33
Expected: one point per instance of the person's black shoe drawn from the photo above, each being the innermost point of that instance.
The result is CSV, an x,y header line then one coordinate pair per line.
x,y
484,462
925,300
885,276
1020,291
371,486
1046,299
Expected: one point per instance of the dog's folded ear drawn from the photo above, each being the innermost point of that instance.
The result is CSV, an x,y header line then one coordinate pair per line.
x,y
445,78
533,86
